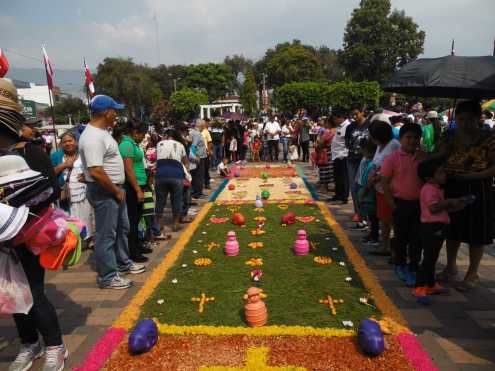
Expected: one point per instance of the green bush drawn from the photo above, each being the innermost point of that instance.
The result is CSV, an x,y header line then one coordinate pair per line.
x,y
184,104
318,97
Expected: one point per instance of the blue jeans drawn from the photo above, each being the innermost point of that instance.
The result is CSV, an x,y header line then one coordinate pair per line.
x,y
112,229
163,187
285,147
218,152
186,201
352,168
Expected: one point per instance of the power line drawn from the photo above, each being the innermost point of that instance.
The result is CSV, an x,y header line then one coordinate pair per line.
x,y
40,60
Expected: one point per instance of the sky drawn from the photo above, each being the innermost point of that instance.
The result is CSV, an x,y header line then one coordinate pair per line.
x,y
199,31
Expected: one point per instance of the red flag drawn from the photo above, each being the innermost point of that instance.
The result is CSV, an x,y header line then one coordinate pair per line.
x,y
89,80
4,64
48,69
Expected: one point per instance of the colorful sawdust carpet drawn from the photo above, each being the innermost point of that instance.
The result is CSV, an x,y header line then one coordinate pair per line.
x,y
315,302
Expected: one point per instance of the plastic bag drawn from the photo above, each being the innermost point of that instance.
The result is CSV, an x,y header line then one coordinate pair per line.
x,y
15,293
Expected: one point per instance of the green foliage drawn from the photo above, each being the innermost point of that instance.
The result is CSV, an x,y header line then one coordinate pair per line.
x,y
184,104
239,65
377,41
295,62
161,111
317,97
129,83
73,107
164,76
294,284
329,64
248,94
215,79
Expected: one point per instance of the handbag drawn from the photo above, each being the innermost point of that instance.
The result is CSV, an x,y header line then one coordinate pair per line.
x,y
65,191
15,293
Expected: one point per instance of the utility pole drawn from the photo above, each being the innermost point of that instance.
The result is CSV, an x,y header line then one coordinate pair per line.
x,y
155,19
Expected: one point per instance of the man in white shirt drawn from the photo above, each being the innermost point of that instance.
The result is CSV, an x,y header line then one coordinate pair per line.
x,y
272,132
103,169
339,157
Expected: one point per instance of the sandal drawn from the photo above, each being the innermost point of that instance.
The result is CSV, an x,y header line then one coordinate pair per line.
x,y
176,228
467,285
185,220
446,276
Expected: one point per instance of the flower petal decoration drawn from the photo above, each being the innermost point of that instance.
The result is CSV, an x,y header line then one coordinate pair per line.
x,y
305,219
261,219
283,206
219,220
257,232
255,245
213,245
323,260
202,262
254,262
259,210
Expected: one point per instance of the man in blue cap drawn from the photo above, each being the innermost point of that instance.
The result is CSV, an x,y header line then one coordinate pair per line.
x,y
104,172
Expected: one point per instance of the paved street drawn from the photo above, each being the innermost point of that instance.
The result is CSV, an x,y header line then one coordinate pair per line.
x,y
458,330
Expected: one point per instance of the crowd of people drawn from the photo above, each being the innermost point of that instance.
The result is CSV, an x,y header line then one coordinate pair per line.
x,y
415,181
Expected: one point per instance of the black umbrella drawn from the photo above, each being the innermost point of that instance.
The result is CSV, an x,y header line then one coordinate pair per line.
x,y
447,77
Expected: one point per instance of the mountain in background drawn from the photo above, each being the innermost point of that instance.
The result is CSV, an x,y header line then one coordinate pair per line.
x,y
69,81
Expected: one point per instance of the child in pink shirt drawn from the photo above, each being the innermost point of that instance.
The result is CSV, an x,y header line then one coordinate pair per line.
x,y
434,220
402,187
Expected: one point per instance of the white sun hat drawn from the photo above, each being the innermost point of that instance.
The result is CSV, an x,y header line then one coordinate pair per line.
x,y
12,219
13,168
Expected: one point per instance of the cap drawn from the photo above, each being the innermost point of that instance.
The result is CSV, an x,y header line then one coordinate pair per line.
x,y
432,115
381,117
101,103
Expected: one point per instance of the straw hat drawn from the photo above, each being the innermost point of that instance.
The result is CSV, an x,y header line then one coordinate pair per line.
x,y
8,96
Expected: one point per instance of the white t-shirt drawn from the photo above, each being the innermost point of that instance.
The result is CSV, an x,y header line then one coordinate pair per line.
x,y
380,156
272,128
337,147
170,149
221,168
98,148
285,131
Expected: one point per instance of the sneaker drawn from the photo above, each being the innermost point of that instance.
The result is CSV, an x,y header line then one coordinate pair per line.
x,y
358,227
55,358
118,283
139,258
373,243
26,356
446,276
135,269
410,278
146,249
437,290
400,271
421,295
366,239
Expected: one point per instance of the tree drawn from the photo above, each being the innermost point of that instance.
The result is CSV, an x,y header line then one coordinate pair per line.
x,y
248,94
73,107
313,96
318,97
184,104
161,111
129,83
329,64
377,41
215,79
164,76
289,62
239,65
